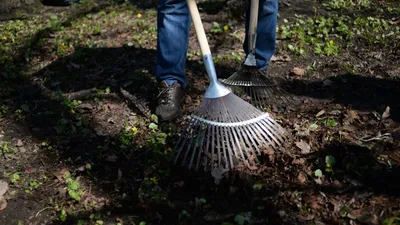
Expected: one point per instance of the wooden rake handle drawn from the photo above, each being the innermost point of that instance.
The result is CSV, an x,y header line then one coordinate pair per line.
x,y
198,26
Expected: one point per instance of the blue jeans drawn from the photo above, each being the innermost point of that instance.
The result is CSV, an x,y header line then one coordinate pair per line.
x,y
173,23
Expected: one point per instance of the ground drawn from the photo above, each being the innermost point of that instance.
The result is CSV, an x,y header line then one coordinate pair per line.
x,y
80,144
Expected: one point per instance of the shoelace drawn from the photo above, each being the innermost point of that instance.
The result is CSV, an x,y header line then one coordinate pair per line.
x,y
165,95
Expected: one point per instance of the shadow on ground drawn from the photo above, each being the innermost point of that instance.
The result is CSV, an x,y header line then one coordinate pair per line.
x,y
91,133
357,91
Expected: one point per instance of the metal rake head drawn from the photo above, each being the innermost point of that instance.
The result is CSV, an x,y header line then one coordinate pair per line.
x,y
226,133
258,89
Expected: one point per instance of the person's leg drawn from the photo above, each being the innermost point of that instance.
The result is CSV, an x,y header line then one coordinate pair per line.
x,y
173,24
266,32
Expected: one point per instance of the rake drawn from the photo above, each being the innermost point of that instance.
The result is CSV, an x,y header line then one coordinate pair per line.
x,y
249,82
225,132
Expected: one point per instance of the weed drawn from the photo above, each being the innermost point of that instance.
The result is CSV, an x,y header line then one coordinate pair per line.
x,y
347,4
14,178
329,122
6,150
73,187
218,28
3,110
326,35
127,136
63,215
329,163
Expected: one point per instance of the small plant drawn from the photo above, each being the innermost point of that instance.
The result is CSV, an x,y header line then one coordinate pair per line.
x,y
218,28
3,110
73,187
184,216
240,220
318,174
329,122
63,215
14,178
330,162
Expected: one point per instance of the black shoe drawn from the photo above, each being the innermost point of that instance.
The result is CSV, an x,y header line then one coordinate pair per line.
x,y
169,101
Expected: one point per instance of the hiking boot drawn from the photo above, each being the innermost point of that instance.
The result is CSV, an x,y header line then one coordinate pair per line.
x,y
169,101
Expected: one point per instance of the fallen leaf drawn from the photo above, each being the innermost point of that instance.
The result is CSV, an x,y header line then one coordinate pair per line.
x,y
218,173
298,71
3,190
335,112
350,128
386,114
119,220
19,143
364,216
81,168
394,22
60,174
313,201
283,58
301,178
320,113
3,204
298,161
188,99
305,147
351,116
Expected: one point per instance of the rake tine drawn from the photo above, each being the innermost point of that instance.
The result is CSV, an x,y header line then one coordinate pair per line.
x,y
201,148
183,139
251,139
195,129
265,134
207,148
224,140
270,132
196,146
213,146
238,142
231,150
246,141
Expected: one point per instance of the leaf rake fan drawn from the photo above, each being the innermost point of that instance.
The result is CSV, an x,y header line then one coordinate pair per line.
x,y
226,131
252,84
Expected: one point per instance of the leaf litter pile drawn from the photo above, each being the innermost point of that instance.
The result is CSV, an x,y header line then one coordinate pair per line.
x,y
79,143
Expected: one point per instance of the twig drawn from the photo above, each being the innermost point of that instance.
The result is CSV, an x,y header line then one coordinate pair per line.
x,y
37,214
378,137
134,101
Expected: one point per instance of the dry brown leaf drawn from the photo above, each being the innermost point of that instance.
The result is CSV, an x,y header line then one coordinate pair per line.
x,y
394,22
320,113
299,161
3,204
217,173
386,114
313,202
351,116
3,188
304,147
364,216
301,178
60,174
298,71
